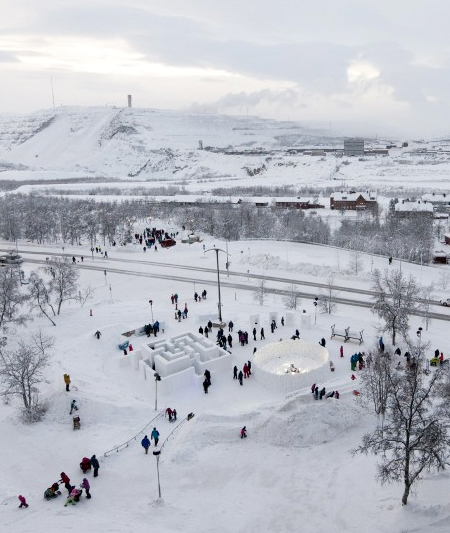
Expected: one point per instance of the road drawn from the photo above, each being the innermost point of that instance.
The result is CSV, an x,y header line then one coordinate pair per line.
x,y
305,289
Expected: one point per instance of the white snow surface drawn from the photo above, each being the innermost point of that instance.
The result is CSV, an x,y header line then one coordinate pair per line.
x,y
294,471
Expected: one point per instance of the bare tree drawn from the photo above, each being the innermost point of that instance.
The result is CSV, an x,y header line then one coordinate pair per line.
x,y
396,297
327,297
356,263
260,294
375,381
21,369
427,300
85,294
444,278
292,300
63,283
40,297
11,298
415,436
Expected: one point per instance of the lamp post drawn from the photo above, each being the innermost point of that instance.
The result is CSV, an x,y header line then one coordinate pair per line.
x,y
315,309
157,453
419,334
157,378
217,250
151,308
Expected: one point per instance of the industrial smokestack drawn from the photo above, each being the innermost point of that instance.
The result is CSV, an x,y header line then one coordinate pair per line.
x,y
129,100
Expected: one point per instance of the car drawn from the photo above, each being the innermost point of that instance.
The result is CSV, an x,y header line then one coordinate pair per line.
x,y
445,302
11,258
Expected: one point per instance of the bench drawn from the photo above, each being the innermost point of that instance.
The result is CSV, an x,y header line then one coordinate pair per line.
x,y
347,334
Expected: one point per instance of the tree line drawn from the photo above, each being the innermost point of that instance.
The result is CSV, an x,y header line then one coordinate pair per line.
x,y
60,220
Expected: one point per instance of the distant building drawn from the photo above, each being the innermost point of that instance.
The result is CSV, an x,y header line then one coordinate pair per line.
x,y
440,201
353,201
440,257
354,147
413,207
296,203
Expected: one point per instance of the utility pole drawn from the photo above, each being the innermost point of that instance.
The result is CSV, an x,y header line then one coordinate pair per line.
x,y
217,250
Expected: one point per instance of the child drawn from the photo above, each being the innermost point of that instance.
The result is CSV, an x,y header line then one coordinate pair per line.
x,y
243,432
23,501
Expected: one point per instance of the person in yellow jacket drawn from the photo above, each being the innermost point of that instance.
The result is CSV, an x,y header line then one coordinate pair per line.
x,y
67,381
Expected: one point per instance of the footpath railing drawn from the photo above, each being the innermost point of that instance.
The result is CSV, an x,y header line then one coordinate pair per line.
x,y
126,444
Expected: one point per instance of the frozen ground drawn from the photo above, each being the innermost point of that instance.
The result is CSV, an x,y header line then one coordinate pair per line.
x,y
294,472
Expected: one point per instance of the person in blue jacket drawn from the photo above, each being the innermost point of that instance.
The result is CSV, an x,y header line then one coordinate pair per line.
x,y
145,443
155,436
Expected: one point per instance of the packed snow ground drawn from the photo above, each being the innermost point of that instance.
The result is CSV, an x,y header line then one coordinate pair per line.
x,y
294,472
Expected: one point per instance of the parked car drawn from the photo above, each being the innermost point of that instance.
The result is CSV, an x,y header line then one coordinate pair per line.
x,y
445,302
11,258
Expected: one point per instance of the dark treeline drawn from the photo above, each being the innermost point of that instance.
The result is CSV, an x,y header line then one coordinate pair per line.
x,y
60,220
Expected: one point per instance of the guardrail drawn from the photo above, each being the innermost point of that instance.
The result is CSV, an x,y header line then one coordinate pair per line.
x,y
125,444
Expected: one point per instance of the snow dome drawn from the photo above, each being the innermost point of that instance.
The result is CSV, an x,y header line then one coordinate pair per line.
x,y
291,364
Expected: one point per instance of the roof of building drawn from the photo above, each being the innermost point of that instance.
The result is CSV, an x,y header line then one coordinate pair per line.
x,y
436,197
353,196
415,206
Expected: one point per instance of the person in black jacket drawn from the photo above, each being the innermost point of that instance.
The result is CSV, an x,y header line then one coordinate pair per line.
x,y
95,465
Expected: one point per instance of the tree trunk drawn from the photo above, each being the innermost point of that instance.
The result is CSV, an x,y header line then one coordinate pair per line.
x,y
407,480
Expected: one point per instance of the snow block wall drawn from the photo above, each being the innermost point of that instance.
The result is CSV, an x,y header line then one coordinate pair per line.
x,y
180,361
291,365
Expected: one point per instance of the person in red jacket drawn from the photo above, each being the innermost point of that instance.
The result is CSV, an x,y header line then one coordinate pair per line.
x,y
66,480
23,501
243,432
85,464
245,371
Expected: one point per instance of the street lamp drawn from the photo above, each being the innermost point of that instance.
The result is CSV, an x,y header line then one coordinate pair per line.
x,y
157,453
151,307
157,378
315,309
419,334
217,250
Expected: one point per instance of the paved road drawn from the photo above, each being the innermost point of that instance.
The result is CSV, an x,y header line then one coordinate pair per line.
x,y
344,295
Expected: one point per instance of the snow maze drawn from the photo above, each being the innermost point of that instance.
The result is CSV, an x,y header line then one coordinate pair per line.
x,y
291,365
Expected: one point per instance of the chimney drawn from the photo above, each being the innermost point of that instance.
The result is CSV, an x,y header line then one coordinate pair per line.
x,y
129,100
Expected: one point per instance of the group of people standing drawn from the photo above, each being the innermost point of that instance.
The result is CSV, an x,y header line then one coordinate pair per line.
x,y
245,373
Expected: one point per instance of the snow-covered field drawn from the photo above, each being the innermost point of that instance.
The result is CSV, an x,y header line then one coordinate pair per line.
x,y
294,472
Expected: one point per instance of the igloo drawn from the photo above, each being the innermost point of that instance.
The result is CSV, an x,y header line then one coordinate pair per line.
x,y
290,365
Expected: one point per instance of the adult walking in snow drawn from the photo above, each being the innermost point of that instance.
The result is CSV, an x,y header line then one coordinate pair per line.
x,y
230,341
262,334
145,443
169,413
155,436
245,371
235,372
206,386
207,375
66,480
249,364
67,382
230,326
95,465
206,331
254,334
86,486
240,377
243,432
97,334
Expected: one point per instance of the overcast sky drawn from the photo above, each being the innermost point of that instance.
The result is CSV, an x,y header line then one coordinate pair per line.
x,y
381,63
